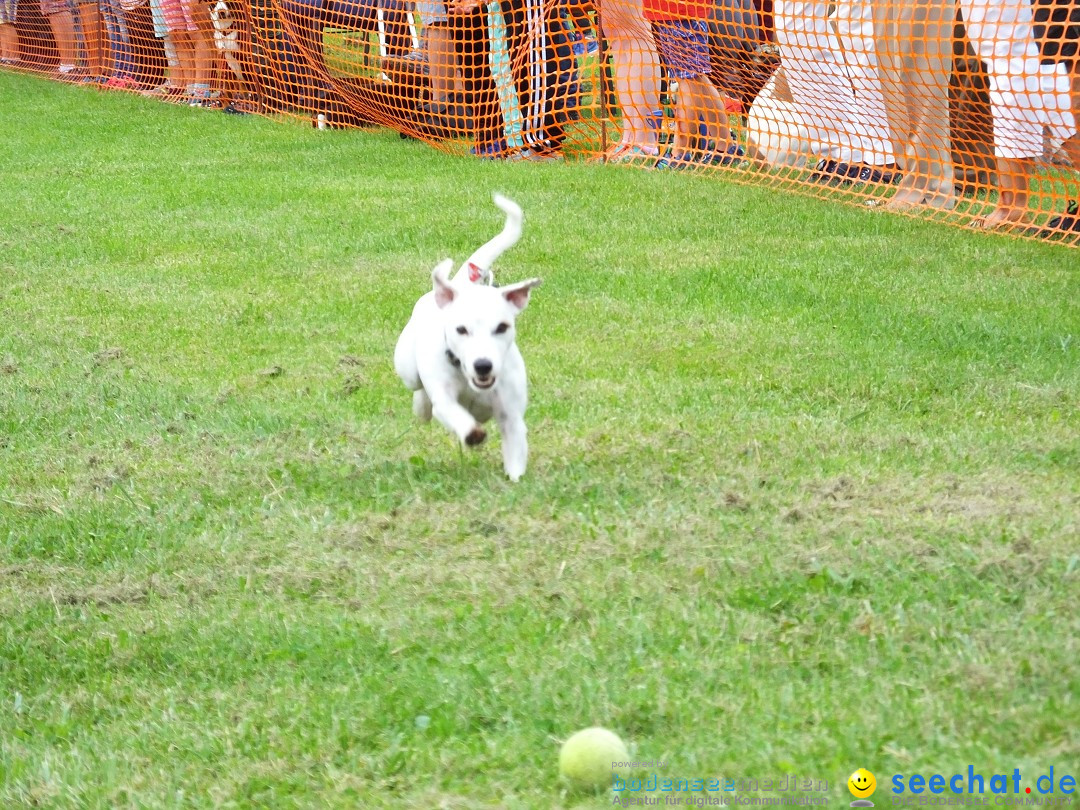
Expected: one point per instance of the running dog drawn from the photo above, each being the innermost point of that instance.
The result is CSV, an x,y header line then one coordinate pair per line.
x,y
457,352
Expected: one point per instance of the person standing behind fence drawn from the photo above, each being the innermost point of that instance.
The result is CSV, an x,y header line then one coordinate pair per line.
x,y
469,33
681,35
439,50
60,14
182,30
121,52
913,40
541,63
636,68
816,43
9,36
202,41
173,86
92,29
739,64
538,54
1029,98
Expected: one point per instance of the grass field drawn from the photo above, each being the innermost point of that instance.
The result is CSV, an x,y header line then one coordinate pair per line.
x,y
804,492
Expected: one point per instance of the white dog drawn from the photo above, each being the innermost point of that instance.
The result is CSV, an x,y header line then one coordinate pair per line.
x,y
457,352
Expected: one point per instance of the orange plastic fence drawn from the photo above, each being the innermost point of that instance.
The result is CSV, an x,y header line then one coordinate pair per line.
x,y
966,111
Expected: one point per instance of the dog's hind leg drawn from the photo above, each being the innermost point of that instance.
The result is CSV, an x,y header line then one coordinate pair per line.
x,y
421,405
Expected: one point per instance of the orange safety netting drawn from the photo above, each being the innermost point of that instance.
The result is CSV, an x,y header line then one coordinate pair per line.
x,y
966,110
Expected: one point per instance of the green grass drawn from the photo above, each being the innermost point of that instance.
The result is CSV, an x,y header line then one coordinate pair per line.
x,y
803,494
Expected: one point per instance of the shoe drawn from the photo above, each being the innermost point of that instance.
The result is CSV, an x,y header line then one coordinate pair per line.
x,y
455,121
1069,221
76,76
450,111
490,151
878,174
232,109
831,171
728,157
673,161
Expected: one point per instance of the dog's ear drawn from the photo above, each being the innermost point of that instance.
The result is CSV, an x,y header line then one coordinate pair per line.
x,y
518,294
444,293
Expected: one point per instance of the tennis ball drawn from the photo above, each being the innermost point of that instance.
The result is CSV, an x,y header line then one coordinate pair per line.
x,y
586,759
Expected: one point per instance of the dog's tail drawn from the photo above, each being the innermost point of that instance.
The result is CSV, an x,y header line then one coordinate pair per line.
x,y
477,268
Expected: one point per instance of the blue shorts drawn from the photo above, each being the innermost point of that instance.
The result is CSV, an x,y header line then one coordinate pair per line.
x,y
684,47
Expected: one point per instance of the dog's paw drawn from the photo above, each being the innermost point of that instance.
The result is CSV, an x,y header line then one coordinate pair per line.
x,y
476,436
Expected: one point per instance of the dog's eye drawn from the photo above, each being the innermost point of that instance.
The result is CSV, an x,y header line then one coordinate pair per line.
x,y
461,330
502,327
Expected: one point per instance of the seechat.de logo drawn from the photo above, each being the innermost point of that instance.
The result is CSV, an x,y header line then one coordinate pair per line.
x,y
1052,787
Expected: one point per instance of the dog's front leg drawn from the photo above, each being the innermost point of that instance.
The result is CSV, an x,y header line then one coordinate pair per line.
x,y
454,417
515,445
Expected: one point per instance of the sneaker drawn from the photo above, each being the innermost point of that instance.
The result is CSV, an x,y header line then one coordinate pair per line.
x,y
879,174
673,161
728,157
75,75
490,151
710,154
831,171
1069,221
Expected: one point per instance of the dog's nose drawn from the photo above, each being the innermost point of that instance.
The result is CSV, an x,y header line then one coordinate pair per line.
x,y
483,367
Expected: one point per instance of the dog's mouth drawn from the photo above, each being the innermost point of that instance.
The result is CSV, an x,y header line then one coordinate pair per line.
x,y
483,383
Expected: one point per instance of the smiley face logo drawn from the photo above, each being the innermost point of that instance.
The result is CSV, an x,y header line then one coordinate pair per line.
x,y
862,784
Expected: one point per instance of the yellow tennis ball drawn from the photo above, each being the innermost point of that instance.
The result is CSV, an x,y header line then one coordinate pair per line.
x,y
590,758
